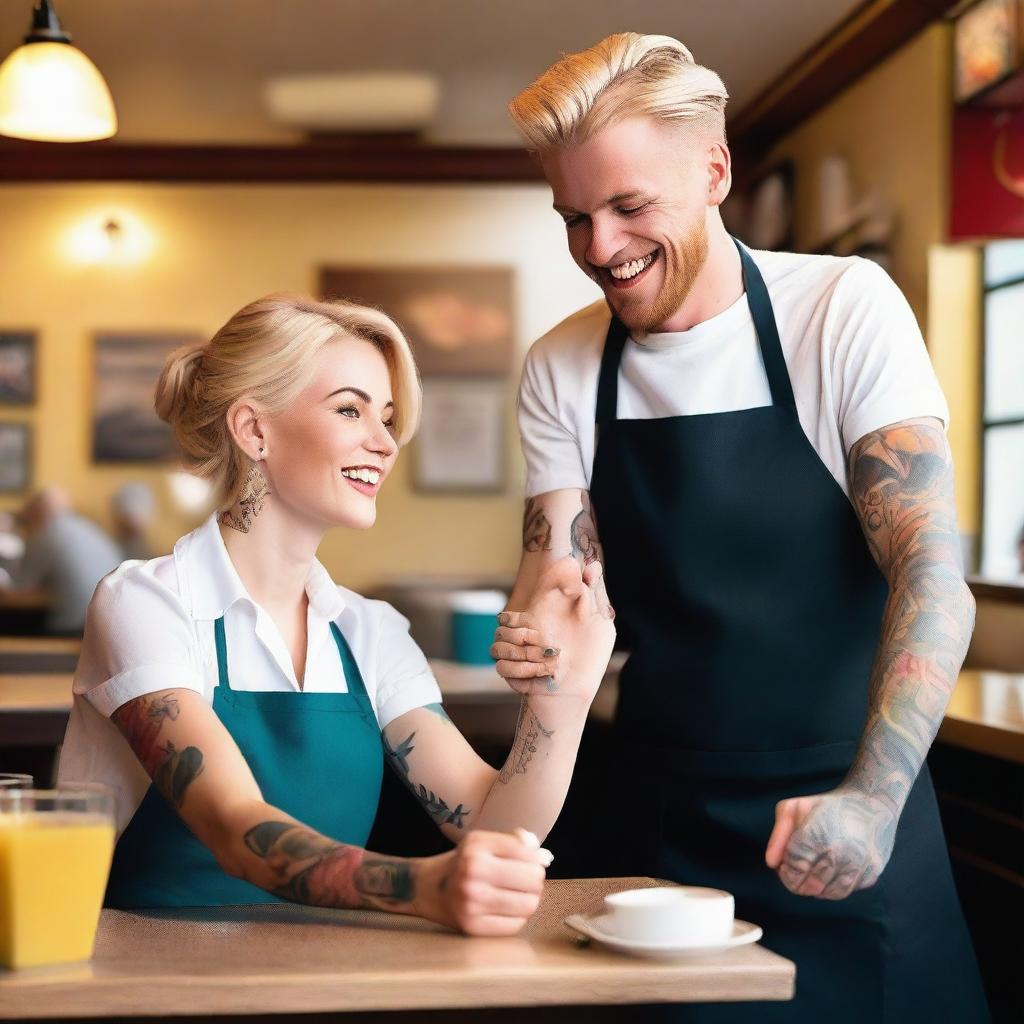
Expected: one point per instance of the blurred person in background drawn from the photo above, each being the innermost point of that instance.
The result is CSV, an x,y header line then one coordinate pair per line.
x,y
132,507
65,556
12,547
753,443
242,705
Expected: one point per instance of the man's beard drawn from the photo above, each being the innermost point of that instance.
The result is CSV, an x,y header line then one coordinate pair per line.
x,y
687,260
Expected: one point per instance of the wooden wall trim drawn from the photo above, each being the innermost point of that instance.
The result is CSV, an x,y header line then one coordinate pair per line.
x,y
37,162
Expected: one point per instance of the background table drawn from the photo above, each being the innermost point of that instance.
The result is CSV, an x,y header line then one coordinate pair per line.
x,y
291,959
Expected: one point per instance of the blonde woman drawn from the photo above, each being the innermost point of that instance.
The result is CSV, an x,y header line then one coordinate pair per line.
x,y
242,705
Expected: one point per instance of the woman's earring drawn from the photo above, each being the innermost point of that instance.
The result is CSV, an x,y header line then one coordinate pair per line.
x,y
250,501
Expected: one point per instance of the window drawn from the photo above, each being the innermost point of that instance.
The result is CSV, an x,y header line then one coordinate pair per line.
x,y
1003,411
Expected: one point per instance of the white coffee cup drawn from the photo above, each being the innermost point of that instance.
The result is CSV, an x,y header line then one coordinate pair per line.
x,y
686,915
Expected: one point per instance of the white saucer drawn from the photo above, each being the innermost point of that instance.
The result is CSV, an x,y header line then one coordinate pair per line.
x,y
595,927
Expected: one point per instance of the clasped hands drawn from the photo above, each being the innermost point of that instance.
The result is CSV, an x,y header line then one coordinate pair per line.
x,y
828,845
569,604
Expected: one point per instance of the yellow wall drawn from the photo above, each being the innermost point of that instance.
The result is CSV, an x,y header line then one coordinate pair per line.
x,y
954,343
893,127
215,248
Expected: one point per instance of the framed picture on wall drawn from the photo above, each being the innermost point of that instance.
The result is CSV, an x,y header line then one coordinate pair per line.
x,y
15,457
459,320
460,446
17,367
125,427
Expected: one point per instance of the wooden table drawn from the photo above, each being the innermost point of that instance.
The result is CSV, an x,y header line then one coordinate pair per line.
x,y
34,708
38,654
986,715
291,959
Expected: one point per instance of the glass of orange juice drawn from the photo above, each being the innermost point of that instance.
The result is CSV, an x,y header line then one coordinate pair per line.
x,y
55,852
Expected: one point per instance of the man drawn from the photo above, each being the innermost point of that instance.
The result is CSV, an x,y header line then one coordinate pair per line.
x,y
753,446
65,556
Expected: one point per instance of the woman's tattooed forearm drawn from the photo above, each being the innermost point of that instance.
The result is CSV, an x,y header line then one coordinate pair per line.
x,y
530,736
902,487
536,527
309,868
172,770
434,805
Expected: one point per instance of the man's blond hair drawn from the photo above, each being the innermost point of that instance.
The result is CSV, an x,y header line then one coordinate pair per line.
x,y
625,75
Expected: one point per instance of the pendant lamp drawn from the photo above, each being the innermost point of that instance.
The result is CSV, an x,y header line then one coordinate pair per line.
x,y
51,91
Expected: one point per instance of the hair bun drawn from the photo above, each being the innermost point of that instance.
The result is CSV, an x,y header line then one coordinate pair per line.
x,y
179,381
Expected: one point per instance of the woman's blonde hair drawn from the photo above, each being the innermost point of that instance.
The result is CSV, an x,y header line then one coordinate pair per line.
x,y
266,352
625,75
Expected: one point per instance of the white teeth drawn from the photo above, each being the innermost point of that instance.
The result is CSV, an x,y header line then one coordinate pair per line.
x,y
624,271
367,476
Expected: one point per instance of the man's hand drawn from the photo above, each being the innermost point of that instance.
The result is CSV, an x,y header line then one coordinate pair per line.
x,y
562,642
832,844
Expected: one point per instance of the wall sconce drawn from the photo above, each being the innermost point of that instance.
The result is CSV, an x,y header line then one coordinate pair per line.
x,y
114,239
50,91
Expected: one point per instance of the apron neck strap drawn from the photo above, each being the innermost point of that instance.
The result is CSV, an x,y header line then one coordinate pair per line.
x,y
767,338
353,676
222,654
767,331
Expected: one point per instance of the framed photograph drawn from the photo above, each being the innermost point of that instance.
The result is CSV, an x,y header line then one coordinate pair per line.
x,y
17,367
15,457
458,319
986,47
125,427
461,441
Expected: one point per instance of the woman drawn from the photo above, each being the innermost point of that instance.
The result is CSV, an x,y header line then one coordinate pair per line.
x,y
238,701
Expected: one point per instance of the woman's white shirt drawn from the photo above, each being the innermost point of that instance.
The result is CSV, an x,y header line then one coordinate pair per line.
x,y
150,626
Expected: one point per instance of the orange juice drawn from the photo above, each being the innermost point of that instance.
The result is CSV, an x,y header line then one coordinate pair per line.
x,y
53,873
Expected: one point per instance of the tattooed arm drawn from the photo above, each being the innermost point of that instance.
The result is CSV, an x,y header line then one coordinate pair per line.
x,y
456,788
557,524
901,481
196,765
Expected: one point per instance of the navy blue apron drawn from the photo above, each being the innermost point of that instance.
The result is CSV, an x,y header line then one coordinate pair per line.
x,y
315,756
746,593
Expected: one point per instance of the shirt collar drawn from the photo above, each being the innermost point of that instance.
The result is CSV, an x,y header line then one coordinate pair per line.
x,y
210,584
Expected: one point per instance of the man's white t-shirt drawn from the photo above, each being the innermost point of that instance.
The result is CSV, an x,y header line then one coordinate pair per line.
x,y
853,349
150,626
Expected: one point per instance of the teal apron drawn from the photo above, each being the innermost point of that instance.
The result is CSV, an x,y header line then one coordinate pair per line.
x,y
315,756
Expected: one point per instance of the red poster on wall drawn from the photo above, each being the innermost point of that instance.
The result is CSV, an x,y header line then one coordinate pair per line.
x,y
988,174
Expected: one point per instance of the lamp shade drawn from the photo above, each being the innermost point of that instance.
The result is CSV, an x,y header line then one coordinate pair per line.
x,y
52,92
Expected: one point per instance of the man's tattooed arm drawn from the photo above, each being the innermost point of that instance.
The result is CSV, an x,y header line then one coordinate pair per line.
x,y
172,770
536,527
901,482
309,868
583,534
902,485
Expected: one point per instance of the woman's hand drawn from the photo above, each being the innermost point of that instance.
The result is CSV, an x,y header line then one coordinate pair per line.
x,y
490,884
562,642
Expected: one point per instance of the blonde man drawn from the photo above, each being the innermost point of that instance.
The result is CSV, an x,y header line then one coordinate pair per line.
x,y
772,500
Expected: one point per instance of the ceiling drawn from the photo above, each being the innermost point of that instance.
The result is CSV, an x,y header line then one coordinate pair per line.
x,y
193,70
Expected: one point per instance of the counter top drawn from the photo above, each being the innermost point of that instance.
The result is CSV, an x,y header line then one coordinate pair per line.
x,y
986,714
287,958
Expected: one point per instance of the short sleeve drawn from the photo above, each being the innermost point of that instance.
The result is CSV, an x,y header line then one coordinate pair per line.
x,y
554,458
881,372
404,678
138,639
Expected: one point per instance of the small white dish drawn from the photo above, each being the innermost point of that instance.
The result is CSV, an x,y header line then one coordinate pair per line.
x,y
596,927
